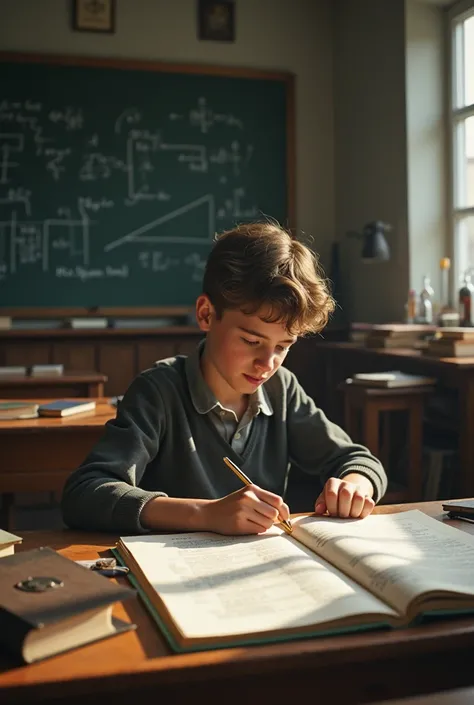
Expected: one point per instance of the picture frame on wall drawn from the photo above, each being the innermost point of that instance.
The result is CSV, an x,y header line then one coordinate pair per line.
x,y
216,20
94,16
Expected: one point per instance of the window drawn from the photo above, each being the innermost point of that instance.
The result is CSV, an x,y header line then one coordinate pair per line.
x,y
462,125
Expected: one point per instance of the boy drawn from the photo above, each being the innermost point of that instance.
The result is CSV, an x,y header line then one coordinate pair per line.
x,y
159,465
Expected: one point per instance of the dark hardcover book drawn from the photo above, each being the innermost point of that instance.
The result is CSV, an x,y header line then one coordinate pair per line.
x,y
49,604
64,407
461,507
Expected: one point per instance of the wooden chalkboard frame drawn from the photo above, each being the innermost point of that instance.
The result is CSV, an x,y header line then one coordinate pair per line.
x,y
165,67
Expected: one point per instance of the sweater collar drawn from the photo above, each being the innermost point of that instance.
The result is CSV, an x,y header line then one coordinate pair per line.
x,y
201,395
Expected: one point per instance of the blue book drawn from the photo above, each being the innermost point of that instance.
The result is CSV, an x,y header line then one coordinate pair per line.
x,y
63,407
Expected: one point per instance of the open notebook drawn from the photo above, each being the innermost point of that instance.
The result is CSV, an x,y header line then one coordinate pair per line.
x,y
332,575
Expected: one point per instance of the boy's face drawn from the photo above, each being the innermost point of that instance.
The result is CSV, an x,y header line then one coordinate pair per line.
x,y
242,351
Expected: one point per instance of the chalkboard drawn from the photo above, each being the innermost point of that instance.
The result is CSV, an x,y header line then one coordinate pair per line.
x,y
115,176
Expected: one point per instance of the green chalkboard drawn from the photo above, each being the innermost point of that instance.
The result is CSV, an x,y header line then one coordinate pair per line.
x,y
115,175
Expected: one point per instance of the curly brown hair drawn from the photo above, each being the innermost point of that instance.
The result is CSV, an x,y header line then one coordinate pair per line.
x,y
259,265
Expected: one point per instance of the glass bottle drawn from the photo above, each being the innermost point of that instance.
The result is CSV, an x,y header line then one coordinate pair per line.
x,y
426,301
466,308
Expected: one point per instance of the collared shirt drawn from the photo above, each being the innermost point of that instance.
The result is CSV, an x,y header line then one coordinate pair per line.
x,y
164,443
235,432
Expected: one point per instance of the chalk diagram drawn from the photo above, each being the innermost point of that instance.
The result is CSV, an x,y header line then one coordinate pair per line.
x,y
63,244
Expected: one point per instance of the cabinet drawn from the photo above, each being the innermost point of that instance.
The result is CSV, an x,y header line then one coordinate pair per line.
x,y
119,354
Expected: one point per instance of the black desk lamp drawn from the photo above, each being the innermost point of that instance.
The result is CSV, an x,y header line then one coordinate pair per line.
x,y
375,247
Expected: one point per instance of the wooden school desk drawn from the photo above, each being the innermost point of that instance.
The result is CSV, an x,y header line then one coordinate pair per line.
x,y
137,667
72,384
342,360
37,455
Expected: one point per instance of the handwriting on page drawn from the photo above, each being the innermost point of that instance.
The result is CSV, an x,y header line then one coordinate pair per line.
x,y
397,556
246,585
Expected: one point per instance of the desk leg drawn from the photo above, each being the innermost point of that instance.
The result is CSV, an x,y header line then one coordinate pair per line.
x,y
465,484
95,389
6,514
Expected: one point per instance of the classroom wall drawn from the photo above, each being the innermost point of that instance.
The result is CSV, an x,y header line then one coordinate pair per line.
x,y
368,113
370,151
426,143
287,35
390,148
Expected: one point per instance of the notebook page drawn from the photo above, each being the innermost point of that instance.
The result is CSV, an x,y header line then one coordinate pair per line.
x,y
216,586
396,556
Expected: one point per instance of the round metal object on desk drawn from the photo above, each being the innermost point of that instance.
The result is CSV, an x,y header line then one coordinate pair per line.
x,y
39,583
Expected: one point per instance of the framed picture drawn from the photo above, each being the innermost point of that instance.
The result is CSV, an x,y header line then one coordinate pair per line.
x,y
93,16
216,20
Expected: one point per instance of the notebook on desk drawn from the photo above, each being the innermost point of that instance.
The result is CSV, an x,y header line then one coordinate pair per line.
x,y
391,380
64,407
208,591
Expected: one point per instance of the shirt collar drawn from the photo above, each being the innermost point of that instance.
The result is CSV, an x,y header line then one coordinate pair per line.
x,y
201,395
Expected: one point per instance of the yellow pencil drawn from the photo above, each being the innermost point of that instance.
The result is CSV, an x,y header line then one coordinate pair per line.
x,y
286,524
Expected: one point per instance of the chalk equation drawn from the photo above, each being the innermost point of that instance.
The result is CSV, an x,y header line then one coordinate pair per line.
x,y
82,203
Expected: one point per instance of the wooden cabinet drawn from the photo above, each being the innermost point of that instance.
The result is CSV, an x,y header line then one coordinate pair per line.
x,y
122,354
119,354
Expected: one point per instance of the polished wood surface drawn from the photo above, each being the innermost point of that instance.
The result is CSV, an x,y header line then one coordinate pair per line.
x,y
37,455
346,669
70,384
62,424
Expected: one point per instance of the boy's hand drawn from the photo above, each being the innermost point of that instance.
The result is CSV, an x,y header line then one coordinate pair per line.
x,y
349,497
250,510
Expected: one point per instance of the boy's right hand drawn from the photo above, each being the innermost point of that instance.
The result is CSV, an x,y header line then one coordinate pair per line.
x,y
250,510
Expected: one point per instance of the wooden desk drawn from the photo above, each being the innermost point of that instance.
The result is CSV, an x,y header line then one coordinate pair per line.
x,y
341,360
72,384
37,455
138,667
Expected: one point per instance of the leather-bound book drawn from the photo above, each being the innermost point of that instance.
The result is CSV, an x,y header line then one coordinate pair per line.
x,y
49,604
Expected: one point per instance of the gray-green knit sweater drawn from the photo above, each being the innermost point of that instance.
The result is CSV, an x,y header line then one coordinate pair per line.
x,y
160,443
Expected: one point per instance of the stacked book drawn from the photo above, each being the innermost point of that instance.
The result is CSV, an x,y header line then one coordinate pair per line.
x,y
33,371
8,542
391,380
358,332
452,342
13,371
10,410
398,335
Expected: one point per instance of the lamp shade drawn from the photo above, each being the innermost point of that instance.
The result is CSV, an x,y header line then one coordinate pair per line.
x,y
375,247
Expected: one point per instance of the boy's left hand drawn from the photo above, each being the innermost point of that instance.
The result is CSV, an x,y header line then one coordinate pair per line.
x,y
348,497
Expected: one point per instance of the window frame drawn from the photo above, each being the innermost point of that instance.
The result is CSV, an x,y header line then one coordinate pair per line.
x,y
457,115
